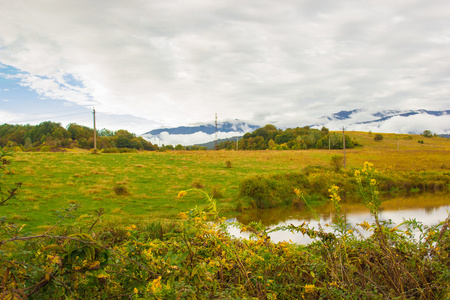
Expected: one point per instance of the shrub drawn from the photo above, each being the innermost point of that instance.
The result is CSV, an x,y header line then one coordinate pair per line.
x,y
228,164
45,149
378,137
261,190
197,184
217,191
111,150
337,161
120,190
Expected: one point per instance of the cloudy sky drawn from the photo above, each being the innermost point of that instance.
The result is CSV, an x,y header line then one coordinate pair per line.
x,y
151,64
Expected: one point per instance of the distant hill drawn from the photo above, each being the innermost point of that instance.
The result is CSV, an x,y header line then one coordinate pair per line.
x,y
199,134
227,126
210,145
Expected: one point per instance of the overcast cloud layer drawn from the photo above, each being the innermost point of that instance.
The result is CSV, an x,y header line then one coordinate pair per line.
x,y
171,63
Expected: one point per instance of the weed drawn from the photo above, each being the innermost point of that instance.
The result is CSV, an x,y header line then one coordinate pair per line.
x,y
197,184
217,191
337,161
228,164
120,190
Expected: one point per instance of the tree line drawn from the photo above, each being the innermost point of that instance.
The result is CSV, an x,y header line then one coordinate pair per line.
x,y
50,135
299,138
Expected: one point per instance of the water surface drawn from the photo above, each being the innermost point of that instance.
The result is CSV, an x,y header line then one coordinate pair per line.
x,y
429,209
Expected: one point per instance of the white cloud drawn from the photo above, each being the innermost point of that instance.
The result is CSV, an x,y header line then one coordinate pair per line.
x,y
8,117
286,62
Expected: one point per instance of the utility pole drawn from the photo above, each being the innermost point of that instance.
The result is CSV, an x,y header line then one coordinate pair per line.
x,y
95,131
237,143
216,146
343,142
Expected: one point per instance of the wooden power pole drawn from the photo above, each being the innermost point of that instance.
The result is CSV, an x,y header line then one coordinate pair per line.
x,y
95,131
343,142
216,145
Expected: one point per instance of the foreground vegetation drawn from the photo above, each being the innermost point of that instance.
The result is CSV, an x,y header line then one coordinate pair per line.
x,y
195,258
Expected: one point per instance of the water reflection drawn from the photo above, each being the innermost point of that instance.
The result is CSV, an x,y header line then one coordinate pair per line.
x,y
429,209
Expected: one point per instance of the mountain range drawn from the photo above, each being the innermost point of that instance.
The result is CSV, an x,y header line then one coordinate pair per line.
x,y
394,121
385,115
228,126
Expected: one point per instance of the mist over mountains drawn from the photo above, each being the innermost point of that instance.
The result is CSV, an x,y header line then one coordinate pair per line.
x,y
196,134
393,121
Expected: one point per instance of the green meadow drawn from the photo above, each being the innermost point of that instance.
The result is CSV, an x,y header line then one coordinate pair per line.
x,y
143,186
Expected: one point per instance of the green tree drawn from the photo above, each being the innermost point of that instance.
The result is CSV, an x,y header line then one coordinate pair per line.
x,y
427,133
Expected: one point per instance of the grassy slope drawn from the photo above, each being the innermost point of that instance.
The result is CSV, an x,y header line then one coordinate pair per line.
x,y
52,181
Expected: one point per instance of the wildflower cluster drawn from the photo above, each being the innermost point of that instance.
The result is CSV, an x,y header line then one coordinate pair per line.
x,y
368,187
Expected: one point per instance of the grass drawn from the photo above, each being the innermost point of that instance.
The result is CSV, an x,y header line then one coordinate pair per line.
x,y
150,181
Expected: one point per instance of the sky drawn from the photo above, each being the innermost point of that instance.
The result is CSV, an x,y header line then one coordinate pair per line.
x,y
154,64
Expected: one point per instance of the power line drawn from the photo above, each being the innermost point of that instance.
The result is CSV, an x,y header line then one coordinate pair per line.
x,y
49,117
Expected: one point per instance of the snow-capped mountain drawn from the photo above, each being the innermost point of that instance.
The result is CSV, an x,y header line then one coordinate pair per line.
x,y
395,121
190,135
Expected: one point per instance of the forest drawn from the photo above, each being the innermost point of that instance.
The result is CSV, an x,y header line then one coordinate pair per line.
x,y
299,138
48,136
51,136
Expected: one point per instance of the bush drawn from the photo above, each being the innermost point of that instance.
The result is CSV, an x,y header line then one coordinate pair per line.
x,y
228,164
217,192
120,190
378,137
261,190
337,162
197,184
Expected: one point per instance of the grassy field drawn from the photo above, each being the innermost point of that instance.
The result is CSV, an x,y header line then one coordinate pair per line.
x,y
150,181
147,249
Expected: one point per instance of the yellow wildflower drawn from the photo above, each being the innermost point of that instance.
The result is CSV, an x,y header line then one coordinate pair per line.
x,y
365,225
135,290
156,285
309,288
334,283
54,259
182,215
298,192
95,265
131,227
181,194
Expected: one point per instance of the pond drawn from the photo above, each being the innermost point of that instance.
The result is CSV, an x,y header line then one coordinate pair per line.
x,y
429,209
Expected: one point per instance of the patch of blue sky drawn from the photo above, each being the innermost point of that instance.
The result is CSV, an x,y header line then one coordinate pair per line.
x,y
71,80
15,97
6,69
